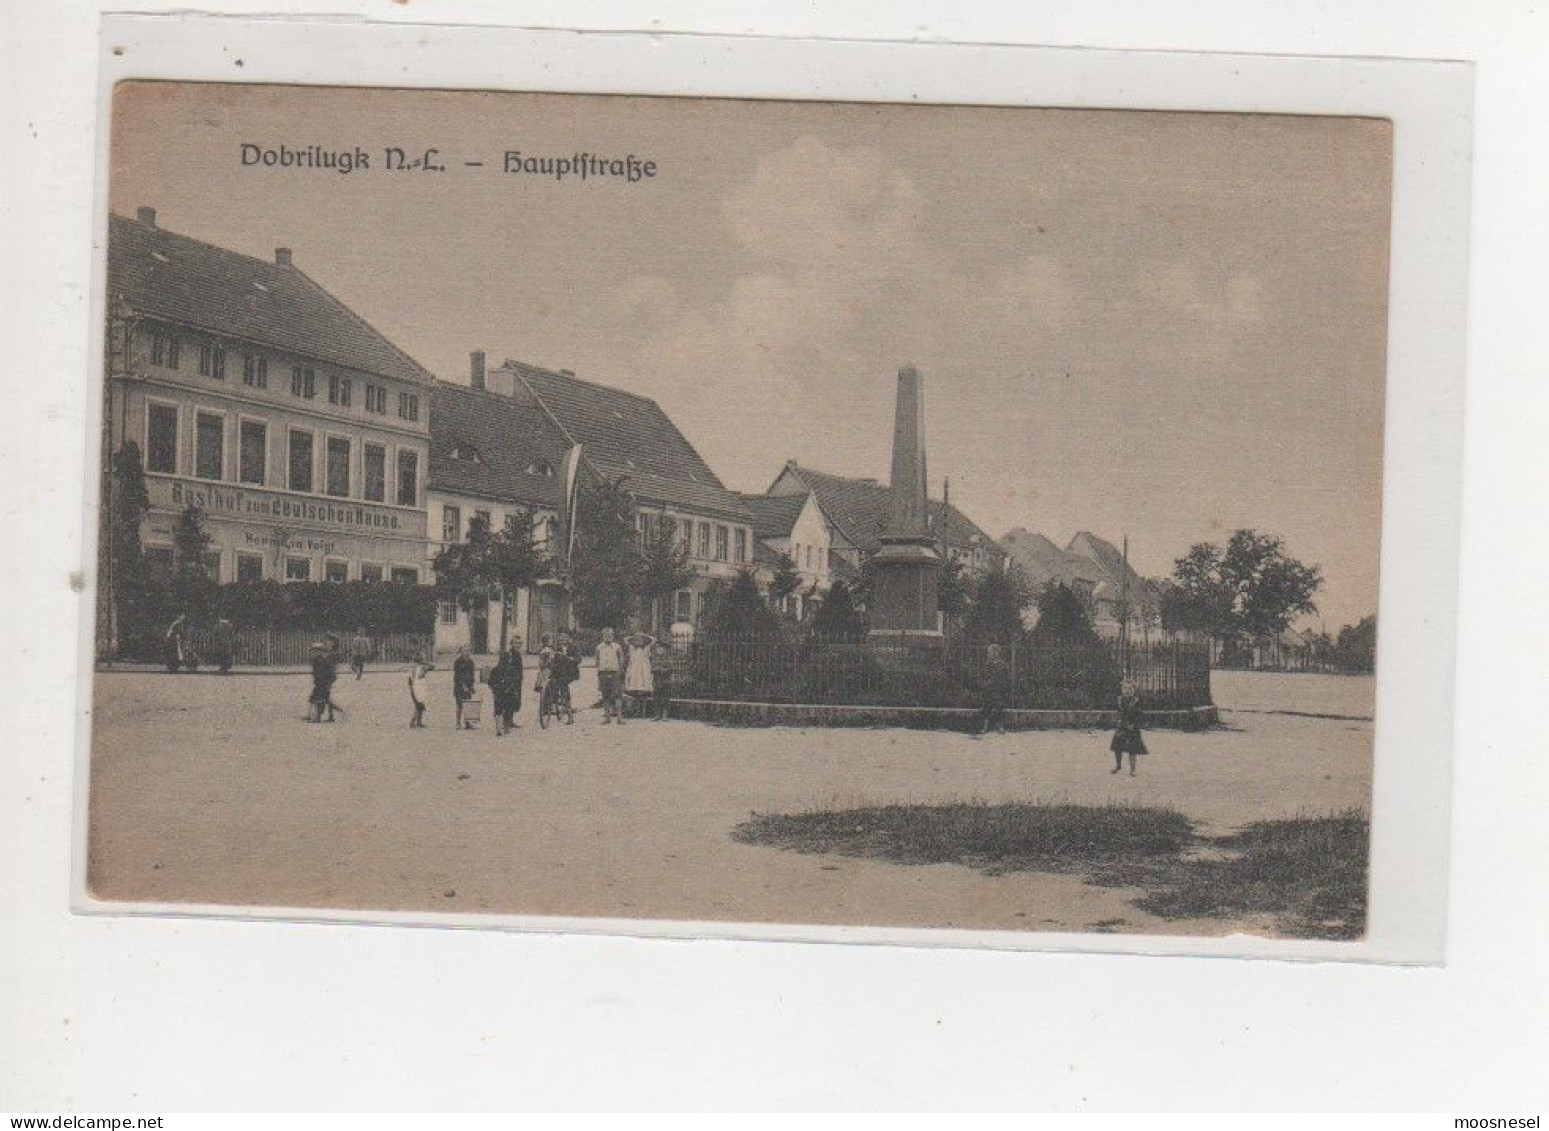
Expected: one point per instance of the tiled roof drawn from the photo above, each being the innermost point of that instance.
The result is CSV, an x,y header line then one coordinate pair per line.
x,y
774,516
624,435
1088,558
483,444
765,555
187,281
861,508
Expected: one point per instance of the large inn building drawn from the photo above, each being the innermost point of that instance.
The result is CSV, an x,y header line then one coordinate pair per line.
x,y
301,431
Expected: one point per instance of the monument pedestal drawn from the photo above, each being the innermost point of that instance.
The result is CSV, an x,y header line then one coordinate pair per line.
x,y
903,598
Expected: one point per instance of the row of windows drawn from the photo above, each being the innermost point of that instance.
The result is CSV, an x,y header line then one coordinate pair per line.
x,y
809,558
709,541
296,567
545,529
302,458
166,351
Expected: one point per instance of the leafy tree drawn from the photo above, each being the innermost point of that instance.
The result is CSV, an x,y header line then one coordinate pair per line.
x,y
1063,617
954,587
741,613
605,573
786,580
1248,590
837,618
995,602
664,565
1355,649
193,588
129,505
492,566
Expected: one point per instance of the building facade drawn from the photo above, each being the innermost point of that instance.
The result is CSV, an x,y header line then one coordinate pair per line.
x,y
495,459
796,527
622,436
857,512
255,395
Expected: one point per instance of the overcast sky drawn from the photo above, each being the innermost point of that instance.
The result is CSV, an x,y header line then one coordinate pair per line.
x,y
1160,325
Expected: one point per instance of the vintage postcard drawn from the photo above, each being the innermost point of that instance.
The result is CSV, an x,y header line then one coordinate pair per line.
x,y
546,507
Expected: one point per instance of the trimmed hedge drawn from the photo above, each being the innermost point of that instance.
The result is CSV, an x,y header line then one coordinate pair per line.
x,y
380,607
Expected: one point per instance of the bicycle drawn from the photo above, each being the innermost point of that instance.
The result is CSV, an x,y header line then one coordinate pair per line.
x,y
555,704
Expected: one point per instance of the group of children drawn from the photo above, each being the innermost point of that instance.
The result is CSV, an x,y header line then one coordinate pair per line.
x,y
634,676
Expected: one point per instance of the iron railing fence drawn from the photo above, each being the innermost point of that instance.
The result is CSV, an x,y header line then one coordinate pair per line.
x,y
287,647
1088,675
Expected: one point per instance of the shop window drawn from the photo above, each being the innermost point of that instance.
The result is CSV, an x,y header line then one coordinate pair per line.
x,y
336,572
405,575
370,571
298,569
250,567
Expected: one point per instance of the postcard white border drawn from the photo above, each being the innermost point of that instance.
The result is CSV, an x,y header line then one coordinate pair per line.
x,y
1430,104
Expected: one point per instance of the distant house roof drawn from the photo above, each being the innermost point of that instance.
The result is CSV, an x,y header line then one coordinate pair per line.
x,y
774,516
1088,562
493,447
183,280
861,508
625,435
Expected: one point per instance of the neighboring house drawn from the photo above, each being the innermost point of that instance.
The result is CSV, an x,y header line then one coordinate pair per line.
x,y
857,511
1096,570
793,525
255,394
493,458
625,436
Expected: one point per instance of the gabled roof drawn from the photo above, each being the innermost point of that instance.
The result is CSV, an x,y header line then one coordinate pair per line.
x,y
861,509
625,435
1042,562
490,446
1088,559
774,516
184,280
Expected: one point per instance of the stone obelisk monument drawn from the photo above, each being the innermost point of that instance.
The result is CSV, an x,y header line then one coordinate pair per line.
x,y
903,600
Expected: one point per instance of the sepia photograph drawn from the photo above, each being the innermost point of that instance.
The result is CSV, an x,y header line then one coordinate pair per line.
x,y
973,514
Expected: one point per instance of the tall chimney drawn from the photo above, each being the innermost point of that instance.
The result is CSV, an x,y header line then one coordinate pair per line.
x,y
146,216
476,369
282,257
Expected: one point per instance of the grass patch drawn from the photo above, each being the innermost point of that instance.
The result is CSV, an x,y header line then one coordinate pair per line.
x,y
1307,873
1305,876
992,838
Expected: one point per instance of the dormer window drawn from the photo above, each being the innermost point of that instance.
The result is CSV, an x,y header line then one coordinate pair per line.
x,y
467,453
542,467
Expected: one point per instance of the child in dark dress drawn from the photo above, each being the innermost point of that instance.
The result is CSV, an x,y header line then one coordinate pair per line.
x,y
1127,738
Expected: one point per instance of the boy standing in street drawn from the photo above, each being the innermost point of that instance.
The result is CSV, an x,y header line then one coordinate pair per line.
x,y
610,671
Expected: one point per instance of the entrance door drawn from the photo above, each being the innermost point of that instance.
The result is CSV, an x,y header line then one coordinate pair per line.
x,y
545,613
478,627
